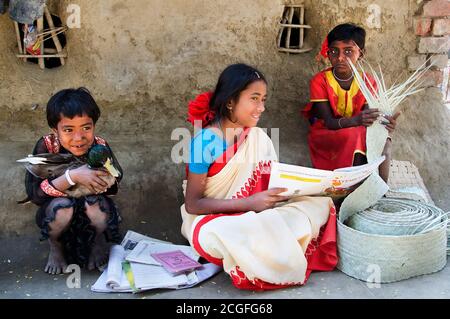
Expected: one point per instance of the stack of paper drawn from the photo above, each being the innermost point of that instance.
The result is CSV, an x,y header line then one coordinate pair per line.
x,y
131,268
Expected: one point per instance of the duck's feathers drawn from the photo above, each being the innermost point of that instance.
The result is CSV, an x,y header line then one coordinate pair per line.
x,y
81,190
49,165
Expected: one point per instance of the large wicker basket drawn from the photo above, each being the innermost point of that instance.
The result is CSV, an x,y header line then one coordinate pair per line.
x,y
386,254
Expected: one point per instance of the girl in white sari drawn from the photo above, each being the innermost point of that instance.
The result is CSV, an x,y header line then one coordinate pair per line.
x,y
262,239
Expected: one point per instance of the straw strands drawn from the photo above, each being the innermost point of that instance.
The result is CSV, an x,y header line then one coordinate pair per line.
x,y
384,98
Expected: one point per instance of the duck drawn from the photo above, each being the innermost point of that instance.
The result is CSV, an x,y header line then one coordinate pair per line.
x,y
51,165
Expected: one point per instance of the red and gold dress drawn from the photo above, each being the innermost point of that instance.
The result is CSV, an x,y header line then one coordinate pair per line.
x,y
331,149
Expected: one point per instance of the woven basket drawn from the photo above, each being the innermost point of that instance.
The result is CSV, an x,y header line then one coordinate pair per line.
x,y
405,182
398,257
397,217
448,234
386,236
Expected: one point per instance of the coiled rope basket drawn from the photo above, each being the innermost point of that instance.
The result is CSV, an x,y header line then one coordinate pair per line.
x,y
399,237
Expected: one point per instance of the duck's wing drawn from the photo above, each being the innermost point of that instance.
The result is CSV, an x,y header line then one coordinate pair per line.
x,y
78,191
49,165
109,180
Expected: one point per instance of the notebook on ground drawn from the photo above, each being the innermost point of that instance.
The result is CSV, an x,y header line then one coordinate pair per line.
x,y
176,261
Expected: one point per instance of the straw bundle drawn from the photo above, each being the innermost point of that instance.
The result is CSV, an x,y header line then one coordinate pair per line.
x,y
385,99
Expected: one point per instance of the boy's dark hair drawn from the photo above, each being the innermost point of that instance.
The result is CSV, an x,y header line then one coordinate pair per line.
x,y
70,103
348,31
232,81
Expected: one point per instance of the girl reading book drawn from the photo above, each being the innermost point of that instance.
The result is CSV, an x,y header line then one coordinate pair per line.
x,y
230,217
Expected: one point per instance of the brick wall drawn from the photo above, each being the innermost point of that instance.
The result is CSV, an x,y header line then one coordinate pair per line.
x,y
432,26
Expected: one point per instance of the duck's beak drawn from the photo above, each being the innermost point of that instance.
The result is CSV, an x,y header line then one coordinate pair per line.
x,y
111,169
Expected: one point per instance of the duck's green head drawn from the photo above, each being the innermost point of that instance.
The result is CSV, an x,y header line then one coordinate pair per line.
x,y
100,156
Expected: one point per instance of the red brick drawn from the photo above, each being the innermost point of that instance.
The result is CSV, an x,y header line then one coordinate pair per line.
x,y
441,27
437,8
440,61
422,26
432,78
434,45
416,61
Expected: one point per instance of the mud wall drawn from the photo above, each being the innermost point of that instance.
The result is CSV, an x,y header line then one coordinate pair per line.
x,y
144,60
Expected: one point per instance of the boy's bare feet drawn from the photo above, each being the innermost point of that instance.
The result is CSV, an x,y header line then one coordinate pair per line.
x,y
99,253
56,263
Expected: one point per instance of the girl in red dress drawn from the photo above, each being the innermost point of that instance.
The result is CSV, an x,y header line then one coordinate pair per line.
x,y
338,112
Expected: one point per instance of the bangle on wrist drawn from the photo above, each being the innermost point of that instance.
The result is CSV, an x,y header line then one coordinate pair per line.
x,y
339,122
69,180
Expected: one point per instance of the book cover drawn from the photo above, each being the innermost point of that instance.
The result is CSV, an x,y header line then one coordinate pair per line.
x,y
176,261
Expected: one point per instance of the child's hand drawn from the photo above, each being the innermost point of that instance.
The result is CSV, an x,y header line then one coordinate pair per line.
x,y
93,179
392,121
267,199
109,180
368,117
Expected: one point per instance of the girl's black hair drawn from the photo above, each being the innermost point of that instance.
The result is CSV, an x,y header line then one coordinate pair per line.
x,y
232,81
346,32
70,103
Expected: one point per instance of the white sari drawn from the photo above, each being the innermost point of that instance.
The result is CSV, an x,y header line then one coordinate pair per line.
x,y
269,249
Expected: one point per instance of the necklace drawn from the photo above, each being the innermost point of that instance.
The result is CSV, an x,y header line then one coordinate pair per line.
x,y
342,80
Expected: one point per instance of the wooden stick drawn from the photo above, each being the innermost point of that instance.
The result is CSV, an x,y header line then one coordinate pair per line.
x,y
58,45
24,49
40,26
304,26
19,40
288,36
51,36
49,31
283,20
59,55
302,30
295,50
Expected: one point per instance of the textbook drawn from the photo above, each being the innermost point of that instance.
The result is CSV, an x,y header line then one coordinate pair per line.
x,y
176,262
302,181
142,252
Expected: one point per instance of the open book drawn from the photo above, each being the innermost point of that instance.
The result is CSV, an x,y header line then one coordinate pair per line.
x,y
302,181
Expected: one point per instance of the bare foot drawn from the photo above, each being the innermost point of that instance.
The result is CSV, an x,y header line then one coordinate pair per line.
x,y
56,263
99,253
